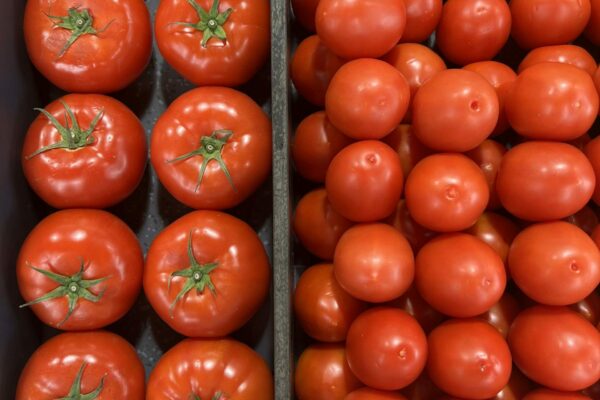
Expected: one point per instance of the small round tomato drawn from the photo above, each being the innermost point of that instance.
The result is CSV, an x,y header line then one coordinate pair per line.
x,y
94,159
495,230
304,11
373,394
502,314
198,271
416,234
410,150
547,394
473,30
488,155
468,358
212,42
585,219
565,54
210,369
556,347
455,110
80,269
446,192
422,17
211,149
83,365
390,357
419,309
592,30
367,99
592,151
94,47
589,308
374,262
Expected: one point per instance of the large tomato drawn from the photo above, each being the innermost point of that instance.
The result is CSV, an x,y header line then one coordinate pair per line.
x,y
373,394
495,230
86,45
212,148
84,150
80,269
547,394
592,151
206,274
488,155
422,17
565,54
220,369
83,365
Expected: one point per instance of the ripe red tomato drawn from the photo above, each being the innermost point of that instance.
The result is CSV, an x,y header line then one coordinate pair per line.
x,y
83,365
373,394
592,151
197,274
94,159
416,234
589,308
212,148
422,389
468,358
488,155
210,369
410,150
518,386
586,219
80,269
556,347
547,394
92,47
422,17
323,309
390,357
565,54
473,30
211,42
374,262
543,181
455,110
304,11
367,99
592,30
495,230
357,29
446,192
502,314
412,302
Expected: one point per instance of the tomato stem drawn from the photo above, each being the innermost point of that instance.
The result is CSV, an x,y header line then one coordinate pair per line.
x,y
210,23
75,392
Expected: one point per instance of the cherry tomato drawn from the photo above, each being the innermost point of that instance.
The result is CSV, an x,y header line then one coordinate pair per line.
x,y
565,54
592,30
212,148
592,151
589,308
585,219
83,365
304,11
416,234
419,309
373,394
547,394
410,150
502,314
422,17
488,155
198,271
495,230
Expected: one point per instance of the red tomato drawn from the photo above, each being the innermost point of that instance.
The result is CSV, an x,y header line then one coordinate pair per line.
x,y
356,29
416,235
80,269
83,365
586,219
597,80
446,192
373,394
94,159
478,355
459,275
502,314
592,30
212,148
419,309
565,54
455,110
589,308
210,369
495,230
197,274
422,389
323,309
410,150
542,181
304,11
488,155
556,347
212,42
473,30
364,181
517,387
422,17
592,151
390,357
88,46
596,235
547,394
367,99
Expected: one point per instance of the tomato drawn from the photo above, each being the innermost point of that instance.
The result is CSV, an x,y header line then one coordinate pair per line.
x,y
197,274
412,302
422,389
83,365
374,262
357,29
212,42
495,230
94,159
373,394
455,110
367,99
589,308
546,394
596,235
416,234
556,347
586,219
212,148
592,151
478,354
473,30
410,150
502,314
488,155
210,369
88,46
323,309
313,66
565,54
422,17
597,80
304,11
459,275
446,192
542,181
322,373
390,357
80,269
517,387
592,30
364,181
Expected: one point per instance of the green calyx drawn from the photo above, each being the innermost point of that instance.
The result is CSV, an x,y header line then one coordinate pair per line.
x,y
216,396
210,23
72,287
75,391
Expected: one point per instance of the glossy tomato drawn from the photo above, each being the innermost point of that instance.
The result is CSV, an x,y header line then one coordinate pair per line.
x,y
373,394
422,17
198,271
488,155
83,365
592,151
80,269
412,302
416,234
502,314
409,148
592,30
589,308
495,230
212,148
547,394
304,11
565,54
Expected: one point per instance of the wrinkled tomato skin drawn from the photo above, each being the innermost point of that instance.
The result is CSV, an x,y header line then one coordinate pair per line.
x,y
592,151
304,11
373,394
422,17
547,394
495,230
565,54
488,155
416,234
410,150
502,314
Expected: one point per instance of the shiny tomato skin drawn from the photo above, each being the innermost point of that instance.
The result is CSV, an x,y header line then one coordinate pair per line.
x,y
589,308
592,30
488,155
565,54
218,238
410,150
53,367
547,394
502,314
101,63
98,175
247,153
373,394
416,234
422,17
495,230
592,151
205,367
304,11
537,341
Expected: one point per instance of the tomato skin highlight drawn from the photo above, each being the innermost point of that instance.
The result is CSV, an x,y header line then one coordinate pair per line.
x,y
565,54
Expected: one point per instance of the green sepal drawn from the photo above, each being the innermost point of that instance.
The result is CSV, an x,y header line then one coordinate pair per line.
x,y
75,391
210,22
